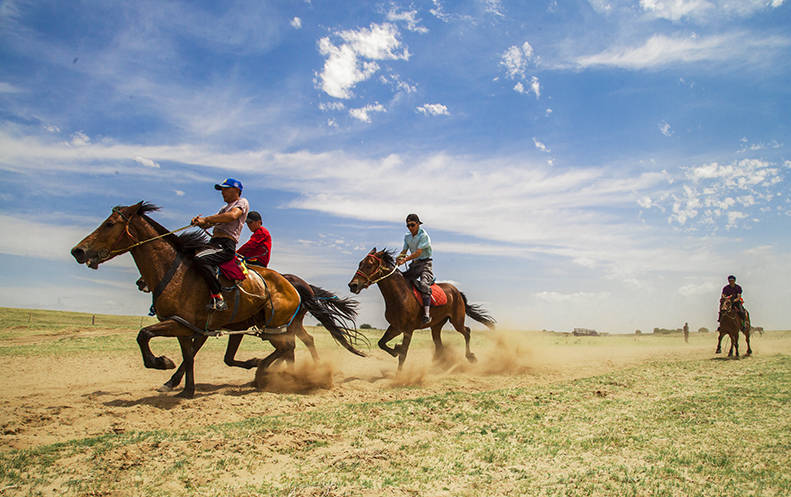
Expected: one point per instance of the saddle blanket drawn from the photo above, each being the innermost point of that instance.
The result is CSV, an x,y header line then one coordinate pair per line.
x,y
234,270
438,296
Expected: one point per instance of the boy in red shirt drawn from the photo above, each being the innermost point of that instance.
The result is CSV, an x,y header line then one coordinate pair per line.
x,y
258,249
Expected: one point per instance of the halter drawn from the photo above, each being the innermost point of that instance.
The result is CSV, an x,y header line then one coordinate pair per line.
x,y
368,280
118,211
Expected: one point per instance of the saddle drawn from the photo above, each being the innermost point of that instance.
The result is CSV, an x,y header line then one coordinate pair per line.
x,y
438,296
234,270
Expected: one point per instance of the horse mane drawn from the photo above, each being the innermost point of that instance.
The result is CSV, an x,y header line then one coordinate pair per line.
x,y
388,257
186,243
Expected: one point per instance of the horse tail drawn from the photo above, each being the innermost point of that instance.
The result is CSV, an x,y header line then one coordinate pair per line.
x,y
478,313
340,325
346,307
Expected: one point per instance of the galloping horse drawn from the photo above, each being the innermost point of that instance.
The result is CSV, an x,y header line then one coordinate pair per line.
x,y
730,324
336,314
403,311
164,261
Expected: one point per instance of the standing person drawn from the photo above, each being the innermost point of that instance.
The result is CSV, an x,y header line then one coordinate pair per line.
x,y
227,225
686,332
420,271
258,248
734,292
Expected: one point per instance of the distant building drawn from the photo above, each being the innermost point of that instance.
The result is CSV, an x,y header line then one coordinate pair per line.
x,y
584,332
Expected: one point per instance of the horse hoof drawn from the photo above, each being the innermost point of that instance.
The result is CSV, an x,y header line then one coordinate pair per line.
x,y
185,394
165,388
164,362
472,358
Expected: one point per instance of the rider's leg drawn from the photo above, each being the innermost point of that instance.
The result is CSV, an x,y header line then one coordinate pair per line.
x,y
219,251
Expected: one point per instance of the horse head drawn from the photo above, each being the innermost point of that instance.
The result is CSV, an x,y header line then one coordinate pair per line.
x,y
374,267
110,239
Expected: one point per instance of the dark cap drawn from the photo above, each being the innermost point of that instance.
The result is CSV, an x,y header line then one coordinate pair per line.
x,y
732,277
414,218
253,216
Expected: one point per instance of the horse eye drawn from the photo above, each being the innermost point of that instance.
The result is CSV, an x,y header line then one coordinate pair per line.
x,y
108,224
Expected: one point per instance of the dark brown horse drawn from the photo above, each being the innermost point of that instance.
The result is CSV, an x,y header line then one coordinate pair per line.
x,y
403,311
337,315
730,324
164,260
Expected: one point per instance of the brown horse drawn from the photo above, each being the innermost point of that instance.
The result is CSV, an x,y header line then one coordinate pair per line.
x,y
164,260
404,313
730,324
337,315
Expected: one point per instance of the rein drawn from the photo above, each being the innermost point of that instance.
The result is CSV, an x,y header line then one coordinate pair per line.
x,y
128,220
368,279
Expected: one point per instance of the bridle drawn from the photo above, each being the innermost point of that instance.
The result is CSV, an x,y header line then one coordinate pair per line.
x,y
369,278
117,210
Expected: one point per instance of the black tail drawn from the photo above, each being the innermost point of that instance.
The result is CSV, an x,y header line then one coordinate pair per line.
x,y
338,320
478,313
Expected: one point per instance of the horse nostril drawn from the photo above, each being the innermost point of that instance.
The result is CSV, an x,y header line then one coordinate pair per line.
x,y
79,254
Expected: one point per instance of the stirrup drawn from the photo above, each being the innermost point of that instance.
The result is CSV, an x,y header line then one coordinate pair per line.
x,y
426,319
217,305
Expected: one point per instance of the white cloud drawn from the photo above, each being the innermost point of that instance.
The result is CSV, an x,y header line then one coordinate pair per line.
x,y
675,10
691,289
494,7
433,110
353,61
146,162
407,16
540,146
79,138
575,297
664,128
296,23
327,106
179,193
515,60
362,113
661,50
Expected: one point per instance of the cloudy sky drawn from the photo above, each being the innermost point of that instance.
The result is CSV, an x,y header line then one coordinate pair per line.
x,y
599,164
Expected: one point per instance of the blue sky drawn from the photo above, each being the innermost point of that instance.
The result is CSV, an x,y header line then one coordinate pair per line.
x,y
599,164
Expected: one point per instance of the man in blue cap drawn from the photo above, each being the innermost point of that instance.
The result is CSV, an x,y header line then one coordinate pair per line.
x,y
227,225
420,271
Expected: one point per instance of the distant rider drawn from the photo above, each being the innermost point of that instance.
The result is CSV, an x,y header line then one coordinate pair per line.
x,y
258,249
227,225
420,271
733,292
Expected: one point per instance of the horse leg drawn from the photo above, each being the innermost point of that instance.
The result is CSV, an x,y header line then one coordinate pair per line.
x,y
439,348
735,339
306,338
163,328
230,354
719,343
173,382
747,338
390,333
189,362
404,348
458,324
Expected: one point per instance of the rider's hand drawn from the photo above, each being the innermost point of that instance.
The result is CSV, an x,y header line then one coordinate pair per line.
x,y
400,260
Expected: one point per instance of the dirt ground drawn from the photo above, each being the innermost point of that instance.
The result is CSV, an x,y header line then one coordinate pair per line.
x,y
53,398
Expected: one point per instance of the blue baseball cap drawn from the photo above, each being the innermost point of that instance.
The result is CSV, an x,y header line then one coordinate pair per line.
x,y
229,183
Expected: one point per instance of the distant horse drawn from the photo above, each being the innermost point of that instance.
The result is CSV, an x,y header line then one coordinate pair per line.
x,y
334,313
164,261
730,324
403,311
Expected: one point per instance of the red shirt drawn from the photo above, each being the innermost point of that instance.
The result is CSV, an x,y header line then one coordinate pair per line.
x,y
258,248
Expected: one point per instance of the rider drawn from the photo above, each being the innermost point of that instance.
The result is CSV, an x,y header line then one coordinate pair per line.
x,y
222,246
419,272
258,249
733,292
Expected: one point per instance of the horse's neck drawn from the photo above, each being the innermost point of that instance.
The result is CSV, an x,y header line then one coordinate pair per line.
x,y
394,288
152,258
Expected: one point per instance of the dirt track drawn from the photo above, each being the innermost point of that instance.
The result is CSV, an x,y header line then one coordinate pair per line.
x,y
48,399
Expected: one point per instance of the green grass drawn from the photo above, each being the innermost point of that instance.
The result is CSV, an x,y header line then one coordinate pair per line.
x,y
688,428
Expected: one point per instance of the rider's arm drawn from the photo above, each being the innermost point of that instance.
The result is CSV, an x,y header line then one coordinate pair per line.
x,y
414,255
225,217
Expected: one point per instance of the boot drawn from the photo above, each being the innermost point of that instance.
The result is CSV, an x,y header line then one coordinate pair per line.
x,y
217,304
426,309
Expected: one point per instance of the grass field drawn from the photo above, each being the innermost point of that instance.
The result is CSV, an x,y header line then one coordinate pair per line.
x,y
540,414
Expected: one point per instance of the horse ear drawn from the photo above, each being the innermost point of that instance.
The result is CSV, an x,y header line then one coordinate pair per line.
x,y
136,208
373,251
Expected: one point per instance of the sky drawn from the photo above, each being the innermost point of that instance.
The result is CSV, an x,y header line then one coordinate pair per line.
x,y
582,163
